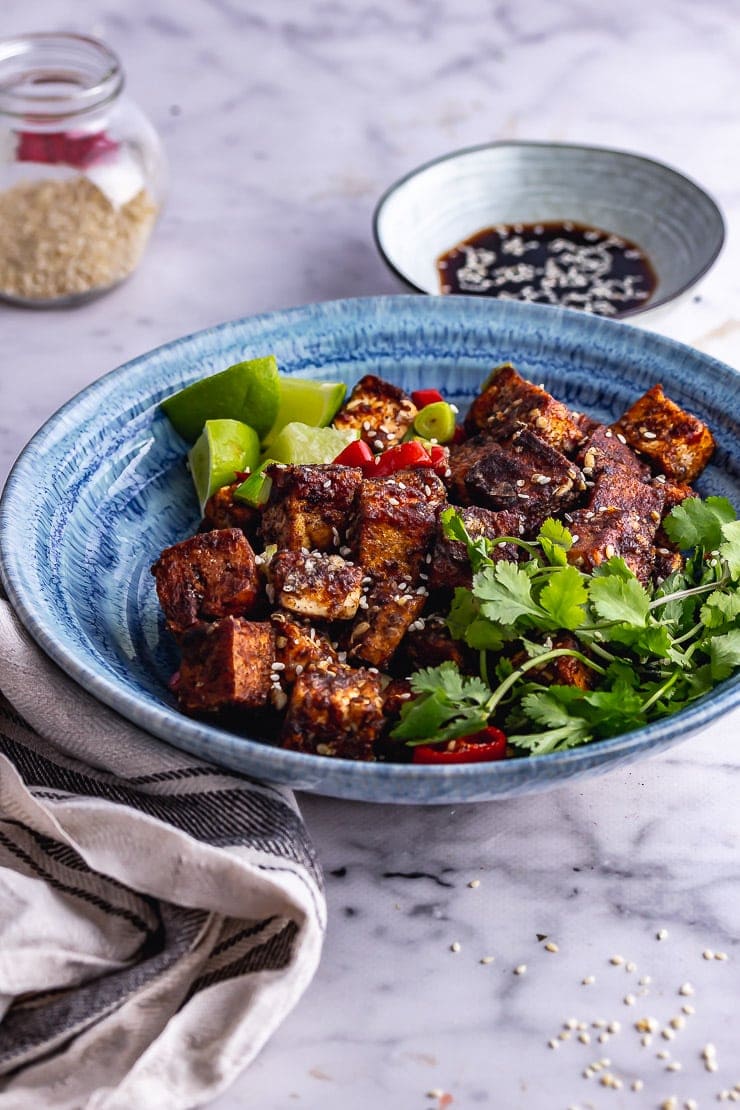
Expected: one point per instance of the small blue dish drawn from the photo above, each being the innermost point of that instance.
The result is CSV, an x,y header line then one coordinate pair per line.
x,y
674,221
103,487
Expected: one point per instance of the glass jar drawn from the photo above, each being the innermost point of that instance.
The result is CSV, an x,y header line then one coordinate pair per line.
x,y
82,171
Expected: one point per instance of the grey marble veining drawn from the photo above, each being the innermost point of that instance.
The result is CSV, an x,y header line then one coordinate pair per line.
x,y
283,123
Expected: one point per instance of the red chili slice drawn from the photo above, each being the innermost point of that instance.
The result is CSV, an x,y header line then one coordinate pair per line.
x,y
480,747
424,397
440,456
356,453
67,147
401,457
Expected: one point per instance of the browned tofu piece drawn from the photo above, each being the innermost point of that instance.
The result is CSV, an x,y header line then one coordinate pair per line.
x,y
450,566
378,630
299,645
676,442
674,492
211,575
337,713
226,665
310,506
508,400
395,696
600,535
667,558
395,523
380,411
312,584
462,457
525,475
428,643
604,452
565,671
223,510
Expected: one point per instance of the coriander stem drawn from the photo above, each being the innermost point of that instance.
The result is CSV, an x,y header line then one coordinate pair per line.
x,y
681,594
660,691
530,547
690,634
602,652
538,660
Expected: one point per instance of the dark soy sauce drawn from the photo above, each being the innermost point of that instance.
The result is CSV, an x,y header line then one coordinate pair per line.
x,y
565,263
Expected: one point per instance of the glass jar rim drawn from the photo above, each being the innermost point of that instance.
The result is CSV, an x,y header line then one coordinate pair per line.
x,y
47,76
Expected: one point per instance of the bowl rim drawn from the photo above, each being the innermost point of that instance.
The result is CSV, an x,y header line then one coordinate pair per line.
x,y
541,143
347,779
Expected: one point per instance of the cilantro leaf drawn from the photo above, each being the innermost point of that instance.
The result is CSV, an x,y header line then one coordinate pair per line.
x,y
505,592
697,523
724,653
564,597
719,609
729,550
555,540
449,705
620,599
454,528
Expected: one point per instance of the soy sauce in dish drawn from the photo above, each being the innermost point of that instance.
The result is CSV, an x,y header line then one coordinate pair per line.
x,y
563,263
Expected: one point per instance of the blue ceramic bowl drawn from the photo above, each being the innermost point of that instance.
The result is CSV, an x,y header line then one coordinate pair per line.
x,y
102,488
428,211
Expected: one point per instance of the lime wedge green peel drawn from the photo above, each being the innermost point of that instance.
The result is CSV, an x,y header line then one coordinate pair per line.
x,y
223,447
436,422
302,443
307,402
247,391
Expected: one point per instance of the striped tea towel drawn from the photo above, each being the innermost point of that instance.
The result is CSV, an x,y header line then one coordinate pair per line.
x,y
159,917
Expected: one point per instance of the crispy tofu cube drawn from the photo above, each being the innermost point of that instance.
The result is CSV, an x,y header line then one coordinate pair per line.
x,y
565,671
428,643
612,531
462,457
300,645
337,713
395,523
604,452
450,566
226,665
211,575
667,558
313,584
310,506
674,492
677,443
525,475
379,629
381,412
223,510
508,400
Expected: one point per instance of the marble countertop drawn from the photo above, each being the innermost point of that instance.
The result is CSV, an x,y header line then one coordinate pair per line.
x,y
283,123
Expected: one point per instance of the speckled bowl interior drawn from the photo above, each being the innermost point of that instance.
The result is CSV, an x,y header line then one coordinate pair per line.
x,y
103,487
426,213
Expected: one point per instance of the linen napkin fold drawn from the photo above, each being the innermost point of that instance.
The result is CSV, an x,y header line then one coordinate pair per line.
x,y
159,916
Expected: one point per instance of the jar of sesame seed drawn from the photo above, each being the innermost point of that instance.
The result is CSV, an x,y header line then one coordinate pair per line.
x,y
81,171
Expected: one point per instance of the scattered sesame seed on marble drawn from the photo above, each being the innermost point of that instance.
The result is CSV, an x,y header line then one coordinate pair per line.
x,y
735,1096
520,969
686,989
637,1085
675,1065
664,1054
571,1023
723,1096
647,1040
667,1034
587,1073
708,954
474,884
487,959
629,1000
588,980
551,947
691,1104
614,1027
553,1044
630,966
669,1103
616,960
565,1035
661,934
687,1008
583,1026
720,955
455,946
584,1038
645,981
603,1038
677,1022
436,1092
605,1062
599,1023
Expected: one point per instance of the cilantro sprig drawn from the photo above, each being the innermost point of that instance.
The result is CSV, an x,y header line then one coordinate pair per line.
x,y
648,651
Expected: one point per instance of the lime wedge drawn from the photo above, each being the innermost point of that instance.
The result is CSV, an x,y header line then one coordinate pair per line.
x,y
307,401
247,391
223,447
302,443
